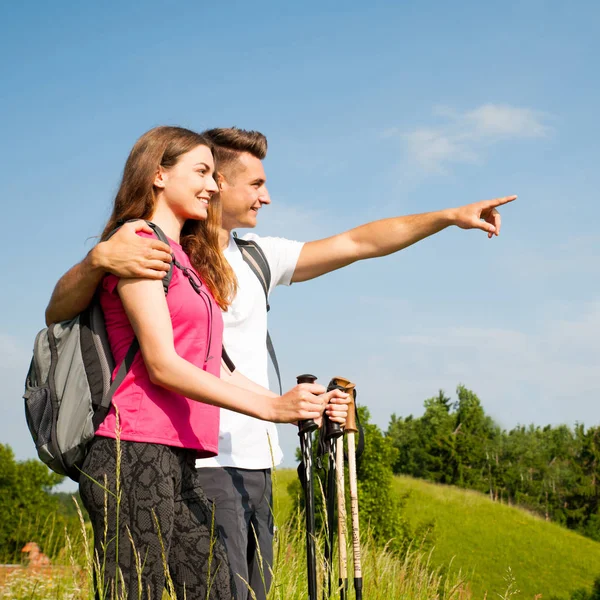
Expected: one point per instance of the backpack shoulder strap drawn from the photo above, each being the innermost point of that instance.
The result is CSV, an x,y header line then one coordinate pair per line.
x,y
255,258
102,410
158,232
273,356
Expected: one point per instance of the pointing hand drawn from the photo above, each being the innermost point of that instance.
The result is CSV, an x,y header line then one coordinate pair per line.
x,y
481,215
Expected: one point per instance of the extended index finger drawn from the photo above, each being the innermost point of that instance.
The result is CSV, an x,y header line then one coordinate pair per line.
x,y
500,201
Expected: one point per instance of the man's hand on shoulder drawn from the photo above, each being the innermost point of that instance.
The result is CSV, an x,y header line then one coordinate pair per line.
x,y
129,255
480,215
126,255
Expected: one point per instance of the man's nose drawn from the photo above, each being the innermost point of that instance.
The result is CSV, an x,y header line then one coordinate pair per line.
x,y
264,197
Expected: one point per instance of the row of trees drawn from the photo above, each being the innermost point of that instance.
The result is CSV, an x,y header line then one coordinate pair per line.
x,y
553,471
28,511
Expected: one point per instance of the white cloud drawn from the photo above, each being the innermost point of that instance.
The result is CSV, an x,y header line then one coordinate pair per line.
x,y
464,137
502,121
432,149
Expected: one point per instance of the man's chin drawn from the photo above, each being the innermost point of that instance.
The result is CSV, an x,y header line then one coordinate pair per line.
x,y
246,222
251,220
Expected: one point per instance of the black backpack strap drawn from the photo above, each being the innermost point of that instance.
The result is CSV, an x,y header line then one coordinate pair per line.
x,y
158,232
228,362
271,351
255,258
102,410
166,282
124,368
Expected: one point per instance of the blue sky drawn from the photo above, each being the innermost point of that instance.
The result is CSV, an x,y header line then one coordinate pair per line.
x,y
371,111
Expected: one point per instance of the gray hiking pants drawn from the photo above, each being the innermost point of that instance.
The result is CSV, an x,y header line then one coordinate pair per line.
x,y
243,513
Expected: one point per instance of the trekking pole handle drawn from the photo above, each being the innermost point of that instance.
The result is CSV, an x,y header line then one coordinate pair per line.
x,y
351,418
334,430
308,425
341,383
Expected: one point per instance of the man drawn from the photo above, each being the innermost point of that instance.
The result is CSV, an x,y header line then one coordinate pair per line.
x,y
239,478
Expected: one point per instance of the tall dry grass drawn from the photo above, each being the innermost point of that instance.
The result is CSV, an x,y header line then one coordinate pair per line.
x,y
386,576
78,574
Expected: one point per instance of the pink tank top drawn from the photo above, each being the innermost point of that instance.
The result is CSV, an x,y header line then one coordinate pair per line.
x,y
148,412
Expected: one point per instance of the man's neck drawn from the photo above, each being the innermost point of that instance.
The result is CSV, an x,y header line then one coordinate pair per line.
x,y
224,237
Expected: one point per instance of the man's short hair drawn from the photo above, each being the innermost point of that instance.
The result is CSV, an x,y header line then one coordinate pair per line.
x,y
230,142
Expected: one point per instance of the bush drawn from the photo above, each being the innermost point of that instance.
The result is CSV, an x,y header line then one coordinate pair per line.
x,y
28,511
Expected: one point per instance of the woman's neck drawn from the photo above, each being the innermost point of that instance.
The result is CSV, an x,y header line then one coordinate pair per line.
x,y
167,221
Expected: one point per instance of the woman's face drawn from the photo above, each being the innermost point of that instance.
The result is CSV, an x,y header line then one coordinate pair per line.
x,y
188,186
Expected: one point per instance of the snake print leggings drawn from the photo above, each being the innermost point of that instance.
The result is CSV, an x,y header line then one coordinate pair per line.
x,y
163,527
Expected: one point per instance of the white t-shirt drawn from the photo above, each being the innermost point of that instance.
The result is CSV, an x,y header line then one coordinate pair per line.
x,y
246,442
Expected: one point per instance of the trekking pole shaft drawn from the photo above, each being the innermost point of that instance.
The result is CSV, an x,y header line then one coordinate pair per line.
x,y
311,554
342,529
354,513
331,502
305,429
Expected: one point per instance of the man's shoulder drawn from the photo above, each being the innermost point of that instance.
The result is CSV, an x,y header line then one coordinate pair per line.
x,y
274,248
265,240
281,255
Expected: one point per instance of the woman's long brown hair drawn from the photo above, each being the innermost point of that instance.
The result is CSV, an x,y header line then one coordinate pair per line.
x,y
136,199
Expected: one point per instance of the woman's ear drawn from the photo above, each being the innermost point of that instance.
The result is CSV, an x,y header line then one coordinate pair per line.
x,y
160,177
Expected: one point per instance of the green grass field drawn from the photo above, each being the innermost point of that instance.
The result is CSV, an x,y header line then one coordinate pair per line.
x,y
484,539
411,577
476,543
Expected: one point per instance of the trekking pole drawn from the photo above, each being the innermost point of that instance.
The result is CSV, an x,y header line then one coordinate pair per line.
x,y
346,386
351,429
332,432
305,430
342,519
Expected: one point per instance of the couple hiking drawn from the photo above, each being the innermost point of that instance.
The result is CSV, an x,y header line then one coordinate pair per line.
x,y
197,433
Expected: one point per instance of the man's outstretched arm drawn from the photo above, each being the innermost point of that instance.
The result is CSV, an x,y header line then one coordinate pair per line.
x,y
126,255
386,236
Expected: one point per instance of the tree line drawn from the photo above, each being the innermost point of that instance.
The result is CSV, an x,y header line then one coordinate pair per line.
x,y
553,471
28,509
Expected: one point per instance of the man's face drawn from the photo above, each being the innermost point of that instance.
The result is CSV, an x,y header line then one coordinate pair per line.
x,y
243,192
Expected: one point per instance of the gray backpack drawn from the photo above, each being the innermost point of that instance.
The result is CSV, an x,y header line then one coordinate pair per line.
x,y
69,386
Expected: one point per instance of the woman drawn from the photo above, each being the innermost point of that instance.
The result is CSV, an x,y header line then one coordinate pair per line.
x,y
150,526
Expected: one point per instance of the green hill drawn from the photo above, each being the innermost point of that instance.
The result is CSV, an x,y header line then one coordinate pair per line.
x,y
486,539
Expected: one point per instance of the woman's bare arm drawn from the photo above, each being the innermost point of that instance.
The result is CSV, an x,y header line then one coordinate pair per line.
x,y
145,304
337,410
